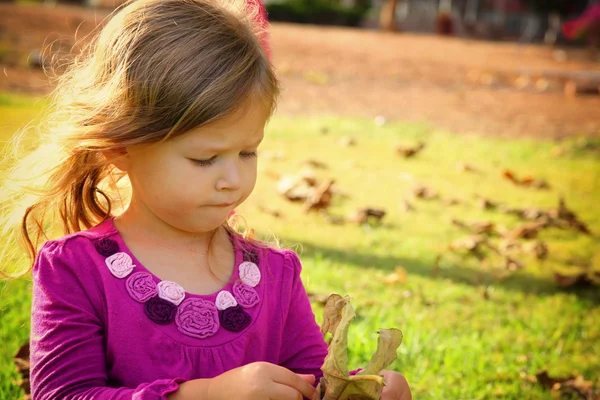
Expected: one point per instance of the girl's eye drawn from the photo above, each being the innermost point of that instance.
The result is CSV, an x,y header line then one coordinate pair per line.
x,y
251,154
205,163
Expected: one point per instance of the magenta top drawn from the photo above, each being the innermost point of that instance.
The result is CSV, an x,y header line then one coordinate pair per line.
x,y
104,327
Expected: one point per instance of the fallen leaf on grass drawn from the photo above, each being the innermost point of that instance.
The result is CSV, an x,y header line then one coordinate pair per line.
x,y
410,151
406,206
564,214
320,198
477,228
337,384
365,215
347,141
464,167
398,276
22,365
528,230
567,386
485,204
424,192
527,181
538,249
315,163
269,211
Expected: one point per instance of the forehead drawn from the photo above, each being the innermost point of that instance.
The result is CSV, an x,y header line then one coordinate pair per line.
x,y
245,126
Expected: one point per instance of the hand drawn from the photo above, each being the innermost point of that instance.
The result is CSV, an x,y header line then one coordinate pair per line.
x,y
396,387
261,381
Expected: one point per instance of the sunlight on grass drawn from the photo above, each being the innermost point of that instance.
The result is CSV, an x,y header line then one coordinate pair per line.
x,y
470,332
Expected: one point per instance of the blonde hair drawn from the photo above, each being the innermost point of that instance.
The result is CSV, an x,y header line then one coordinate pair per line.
x,y
156,70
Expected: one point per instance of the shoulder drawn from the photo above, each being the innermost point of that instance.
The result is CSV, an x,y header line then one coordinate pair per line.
x,y
76,248
275,260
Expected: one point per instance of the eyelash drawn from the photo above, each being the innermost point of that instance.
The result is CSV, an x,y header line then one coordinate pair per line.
x,y
211,161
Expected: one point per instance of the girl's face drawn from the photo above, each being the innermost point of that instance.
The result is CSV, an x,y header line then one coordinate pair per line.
x,y
193,181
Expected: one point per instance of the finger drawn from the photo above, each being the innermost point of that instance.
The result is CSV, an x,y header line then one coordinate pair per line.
x,y
310,378
288,378
284,392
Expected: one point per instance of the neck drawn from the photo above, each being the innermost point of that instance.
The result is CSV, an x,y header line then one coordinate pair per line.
x,y
140,224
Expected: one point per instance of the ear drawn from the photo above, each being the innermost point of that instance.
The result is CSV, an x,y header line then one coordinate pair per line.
x,y
120,158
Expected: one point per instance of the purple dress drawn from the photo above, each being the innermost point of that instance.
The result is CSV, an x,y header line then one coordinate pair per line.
x,y
104,327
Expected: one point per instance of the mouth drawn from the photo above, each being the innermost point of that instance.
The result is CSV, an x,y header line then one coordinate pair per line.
x,y
224,205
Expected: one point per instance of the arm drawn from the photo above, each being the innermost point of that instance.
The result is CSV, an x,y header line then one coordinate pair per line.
x,y
303,348
67,336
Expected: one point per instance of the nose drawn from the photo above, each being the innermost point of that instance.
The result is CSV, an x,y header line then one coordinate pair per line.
x,y
230,176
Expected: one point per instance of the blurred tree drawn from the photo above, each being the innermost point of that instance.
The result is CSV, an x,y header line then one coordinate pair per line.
x,y
387,15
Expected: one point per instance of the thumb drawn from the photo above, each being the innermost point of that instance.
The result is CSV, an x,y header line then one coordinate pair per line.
x,y
310,378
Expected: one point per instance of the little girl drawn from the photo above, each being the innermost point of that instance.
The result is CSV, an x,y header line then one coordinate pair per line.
x,y
154,296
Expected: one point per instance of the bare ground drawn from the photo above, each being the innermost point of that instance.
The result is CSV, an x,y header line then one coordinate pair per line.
x,y
462,85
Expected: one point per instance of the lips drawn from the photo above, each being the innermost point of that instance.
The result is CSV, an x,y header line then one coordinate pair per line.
x,y
224,205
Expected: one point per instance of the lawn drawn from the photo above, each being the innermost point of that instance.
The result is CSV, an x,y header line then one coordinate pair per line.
x,y
472,329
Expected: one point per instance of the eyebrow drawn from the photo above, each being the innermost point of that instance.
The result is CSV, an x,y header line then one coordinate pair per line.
x,y
217,149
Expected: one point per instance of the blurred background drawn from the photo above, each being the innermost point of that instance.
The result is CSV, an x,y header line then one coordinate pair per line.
x,y
437,160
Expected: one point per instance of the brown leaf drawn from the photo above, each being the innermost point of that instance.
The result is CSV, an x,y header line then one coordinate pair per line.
x,y
269,211
320,198
21,360
347,141
364,215
538,249
337,384
486,204
315,163
568,386
398,276
477,228
528,230
410,151
406,206
472,244
527,181
424,192
568,216
464,167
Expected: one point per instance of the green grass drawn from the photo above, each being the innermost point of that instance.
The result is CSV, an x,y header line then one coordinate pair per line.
x,y
458,344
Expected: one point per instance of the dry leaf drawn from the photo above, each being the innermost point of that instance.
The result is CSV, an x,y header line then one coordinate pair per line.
x,y
477,228
364,215
269,211
320,198
21,360
527,181
406,206
410,151
424,192
568,386
315,163
486,204
464,167
347,141
337,384
398,276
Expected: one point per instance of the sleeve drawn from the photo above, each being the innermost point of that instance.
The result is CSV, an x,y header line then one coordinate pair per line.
x,y
67,338
303,348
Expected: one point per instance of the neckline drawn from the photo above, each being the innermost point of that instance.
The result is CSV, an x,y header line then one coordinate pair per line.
x,y
234,277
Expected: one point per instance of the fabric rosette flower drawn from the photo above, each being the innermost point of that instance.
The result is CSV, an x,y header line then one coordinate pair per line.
x,y
197,318
160,311
141,287
120,264
245,295
171,291
107,247
234,319
249,273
